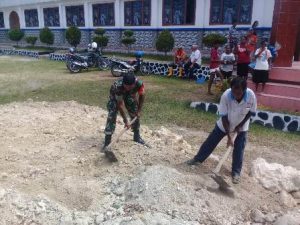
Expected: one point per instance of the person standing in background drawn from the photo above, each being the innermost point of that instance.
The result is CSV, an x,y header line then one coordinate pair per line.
x,y
261,69
251,42
243,58
233,35
214,67
227,61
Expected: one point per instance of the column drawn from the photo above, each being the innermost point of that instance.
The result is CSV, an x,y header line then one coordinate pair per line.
x,y
62,15
156,13
86,15
119,14
21,17
41,16
284,30
6,14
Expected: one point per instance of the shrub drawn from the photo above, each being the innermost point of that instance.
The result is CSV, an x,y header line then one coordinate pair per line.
x,y
128,39
165,42
100,31
73,36
101,39
31,40
46,36
16,35
211,39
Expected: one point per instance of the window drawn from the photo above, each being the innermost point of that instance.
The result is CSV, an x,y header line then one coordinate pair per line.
x,y
75,16
179,12
137,13
31,18
228,11
51,17
1,20
104,14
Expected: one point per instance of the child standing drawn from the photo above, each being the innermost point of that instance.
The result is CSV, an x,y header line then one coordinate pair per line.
x,y
214,67
227,61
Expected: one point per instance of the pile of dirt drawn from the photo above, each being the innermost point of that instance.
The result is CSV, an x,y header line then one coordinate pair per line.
x,y
52,172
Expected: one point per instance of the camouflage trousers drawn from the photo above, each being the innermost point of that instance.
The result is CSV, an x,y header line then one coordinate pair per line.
x,y
131,105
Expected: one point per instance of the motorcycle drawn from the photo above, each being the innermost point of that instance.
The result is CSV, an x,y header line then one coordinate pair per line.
x,y
137,67
76,62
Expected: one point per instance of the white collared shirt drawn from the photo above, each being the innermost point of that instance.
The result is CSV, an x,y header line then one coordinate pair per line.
x,y
196,55
262,61
236,111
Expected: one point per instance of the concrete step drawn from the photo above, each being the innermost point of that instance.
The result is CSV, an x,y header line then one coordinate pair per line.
x,y
278,102
289,75
287,90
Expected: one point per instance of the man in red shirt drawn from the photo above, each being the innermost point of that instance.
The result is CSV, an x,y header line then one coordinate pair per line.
x,y
243,54
214,67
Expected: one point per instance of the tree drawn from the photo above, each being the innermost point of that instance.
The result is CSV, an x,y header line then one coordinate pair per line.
x,y
16,35
100,39
73,36
211,39
128,39
31,40
165,41
46,36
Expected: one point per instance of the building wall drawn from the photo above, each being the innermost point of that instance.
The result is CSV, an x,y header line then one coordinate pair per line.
x,y
185,35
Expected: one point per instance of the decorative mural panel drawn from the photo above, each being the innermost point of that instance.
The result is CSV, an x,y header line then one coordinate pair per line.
x,y
31,18
104,14
216,11
245,12
51,17
1,20
179,12
75,16
229,11
137,13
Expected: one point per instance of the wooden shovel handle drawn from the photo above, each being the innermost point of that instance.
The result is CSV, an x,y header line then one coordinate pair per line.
x,y
121,133
225,157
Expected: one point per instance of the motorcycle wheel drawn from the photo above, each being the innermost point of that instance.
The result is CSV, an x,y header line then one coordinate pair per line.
x,y
114,70
74,68
104,64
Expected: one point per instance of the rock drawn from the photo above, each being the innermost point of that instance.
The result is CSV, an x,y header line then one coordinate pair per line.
x,y
287,199
99,219
296,194
257,216
290,218
270,217
276,177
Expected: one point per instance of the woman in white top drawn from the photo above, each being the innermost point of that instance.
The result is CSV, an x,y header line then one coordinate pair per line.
x,y
261,69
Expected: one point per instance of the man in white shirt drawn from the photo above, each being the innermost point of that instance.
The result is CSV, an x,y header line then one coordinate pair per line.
x,y
237,104
193,63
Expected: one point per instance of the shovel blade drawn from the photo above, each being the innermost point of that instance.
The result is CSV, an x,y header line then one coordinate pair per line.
x,y
224,187
110,156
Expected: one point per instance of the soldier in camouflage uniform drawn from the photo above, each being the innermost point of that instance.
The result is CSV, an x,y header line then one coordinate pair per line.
x,y
123,94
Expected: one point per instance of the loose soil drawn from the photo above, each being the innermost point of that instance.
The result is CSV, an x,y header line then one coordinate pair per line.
x,y
52,172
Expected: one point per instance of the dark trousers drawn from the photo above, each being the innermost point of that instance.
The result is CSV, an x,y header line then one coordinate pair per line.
x,y
189,72
214,139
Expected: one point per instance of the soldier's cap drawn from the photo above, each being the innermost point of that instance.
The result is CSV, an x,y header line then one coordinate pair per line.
x,y
129,79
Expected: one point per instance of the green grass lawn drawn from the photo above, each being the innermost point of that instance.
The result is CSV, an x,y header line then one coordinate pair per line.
x,y
167,100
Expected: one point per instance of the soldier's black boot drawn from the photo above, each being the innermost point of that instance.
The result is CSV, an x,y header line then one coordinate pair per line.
x,y
106,141
137,137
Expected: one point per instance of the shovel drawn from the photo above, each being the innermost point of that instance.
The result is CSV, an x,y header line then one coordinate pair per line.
x,y
107,150
223,185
